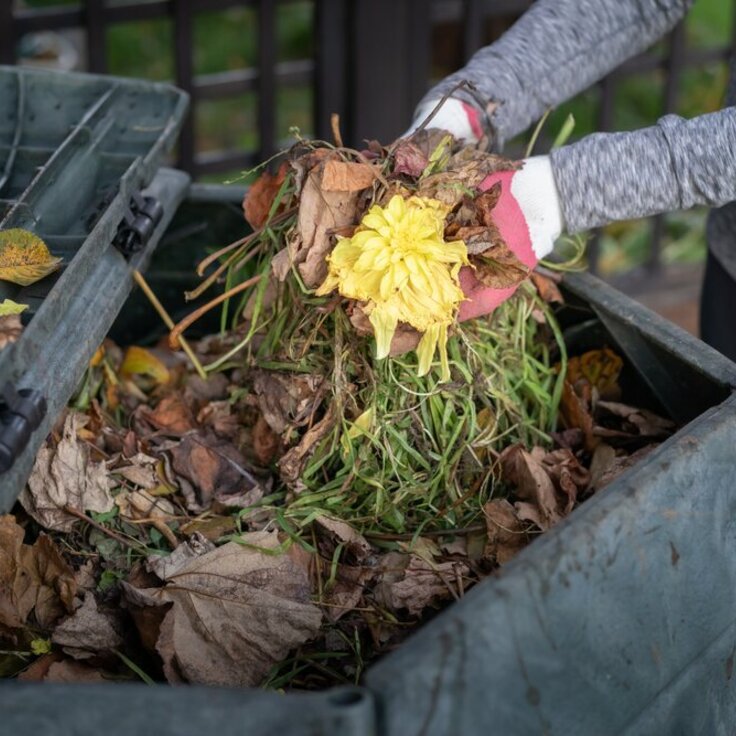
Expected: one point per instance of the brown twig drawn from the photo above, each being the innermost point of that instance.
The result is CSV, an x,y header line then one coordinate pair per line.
x,y
335,124
175,336
100,528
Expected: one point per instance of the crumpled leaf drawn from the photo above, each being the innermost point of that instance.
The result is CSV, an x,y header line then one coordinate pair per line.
x,y
87,632
141,472
24,257
69,670
533,486
172,415
261,194
575,411
347,176
409,159
32,578
235,612
345,592
354,542
639,422
568,475
292,463
166,566
66,476
266,443
287,400
547,289
215,471
498,267
421,584
507,533
322,215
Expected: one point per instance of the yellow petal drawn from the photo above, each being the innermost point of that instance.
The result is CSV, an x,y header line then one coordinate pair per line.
x,y
426,348
384,322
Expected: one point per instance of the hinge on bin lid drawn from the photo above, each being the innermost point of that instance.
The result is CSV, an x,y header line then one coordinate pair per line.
x,y
21,412
138,224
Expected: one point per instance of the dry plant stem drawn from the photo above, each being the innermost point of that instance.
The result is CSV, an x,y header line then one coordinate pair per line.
x,y
462,531
109,532
175,336
168,321
335,124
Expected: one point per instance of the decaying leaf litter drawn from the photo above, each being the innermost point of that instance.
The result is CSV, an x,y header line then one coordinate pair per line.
x,y
353,461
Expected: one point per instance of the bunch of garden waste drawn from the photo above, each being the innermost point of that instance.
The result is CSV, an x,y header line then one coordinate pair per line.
x,y
281,502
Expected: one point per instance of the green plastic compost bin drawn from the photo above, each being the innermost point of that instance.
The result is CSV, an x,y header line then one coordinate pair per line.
x,y
620,620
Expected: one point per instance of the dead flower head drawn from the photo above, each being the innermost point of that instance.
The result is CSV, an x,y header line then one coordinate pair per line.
x,y
399,264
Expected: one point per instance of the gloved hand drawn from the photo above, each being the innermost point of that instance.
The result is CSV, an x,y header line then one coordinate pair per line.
x,y
455,116
529,218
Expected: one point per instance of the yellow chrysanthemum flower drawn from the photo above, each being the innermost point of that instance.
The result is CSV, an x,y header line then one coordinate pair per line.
x,y
398,263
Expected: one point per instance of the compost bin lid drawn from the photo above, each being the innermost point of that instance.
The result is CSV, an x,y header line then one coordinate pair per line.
x,y
76,153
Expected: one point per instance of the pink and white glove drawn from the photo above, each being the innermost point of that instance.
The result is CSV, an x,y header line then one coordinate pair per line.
x,y
455,116
529,218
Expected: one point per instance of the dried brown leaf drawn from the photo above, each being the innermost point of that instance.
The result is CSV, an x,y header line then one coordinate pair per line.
x,y
346,176
546,288
354,542
172,415
498,267
532,484
32,578
287,400
409,159
507,534
66,476
235,612
266,443
575,411
260,196
87,632
422,584
292,463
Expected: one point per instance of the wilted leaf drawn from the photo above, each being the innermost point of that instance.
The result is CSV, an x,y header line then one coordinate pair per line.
x,y
568,474
287,400
292,463
87,632
507,534
75,672
575,411
261,195
266,443
343,594
139,361
600,368
24,257
172,415
66,476
236,612
166,566
498,267
346,176
409,159
422,584
546,288
640,422
321,215
32,577
533,485
215,471
354,542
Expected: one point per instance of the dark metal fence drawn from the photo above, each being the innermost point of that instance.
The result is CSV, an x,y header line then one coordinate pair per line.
x,y
373,60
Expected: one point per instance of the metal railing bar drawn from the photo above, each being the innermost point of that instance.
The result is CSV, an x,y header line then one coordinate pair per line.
x,y
231,83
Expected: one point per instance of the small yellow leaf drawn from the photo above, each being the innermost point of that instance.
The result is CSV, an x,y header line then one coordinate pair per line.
x,y
139,361
359,428
24,257
8,306
96,359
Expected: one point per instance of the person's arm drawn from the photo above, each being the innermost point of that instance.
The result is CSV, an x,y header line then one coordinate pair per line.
x,y
555,50
673,165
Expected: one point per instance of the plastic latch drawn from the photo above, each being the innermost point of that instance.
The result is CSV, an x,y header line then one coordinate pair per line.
x,y
138,224
21,412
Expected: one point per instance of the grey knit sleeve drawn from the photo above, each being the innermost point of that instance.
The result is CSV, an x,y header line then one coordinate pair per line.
x,y
557,49
673,165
